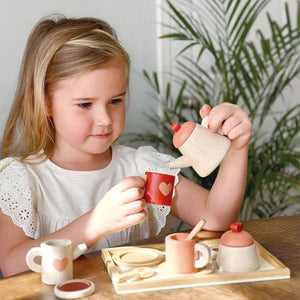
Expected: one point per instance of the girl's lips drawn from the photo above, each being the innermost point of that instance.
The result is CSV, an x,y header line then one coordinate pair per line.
x,y
101,136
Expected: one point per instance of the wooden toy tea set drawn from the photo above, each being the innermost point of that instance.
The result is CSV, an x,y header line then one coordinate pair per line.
x,y
184,261
234,258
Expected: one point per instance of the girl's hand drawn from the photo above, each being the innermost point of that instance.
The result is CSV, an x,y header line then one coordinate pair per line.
x,y
122,206
233,121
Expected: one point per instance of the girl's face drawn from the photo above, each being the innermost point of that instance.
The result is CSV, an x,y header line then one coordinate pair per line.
x,y
88,113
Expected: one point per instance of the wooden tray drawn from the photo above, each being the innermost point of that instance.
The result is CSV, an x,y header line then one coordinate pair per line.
x,y
270,269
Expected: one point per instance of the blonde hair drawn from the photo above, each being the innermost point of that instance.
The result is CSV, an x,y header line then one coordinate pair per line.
x,y
57,48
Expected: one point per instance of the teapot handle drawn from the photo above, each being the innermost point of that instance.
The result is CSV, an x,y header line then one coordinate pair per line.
x,y
205,124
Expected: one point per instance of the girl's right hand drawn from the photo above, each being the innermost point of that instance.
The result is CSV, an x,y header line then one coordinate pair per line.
x,y
121,207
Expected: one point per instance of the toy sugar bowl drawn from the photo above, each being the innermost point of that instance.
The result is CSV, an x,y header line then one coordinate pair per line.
x,y
237,251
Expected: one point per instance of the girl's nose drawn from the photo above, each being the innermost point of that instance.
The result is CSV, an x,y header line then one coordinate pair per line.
x,y
102,117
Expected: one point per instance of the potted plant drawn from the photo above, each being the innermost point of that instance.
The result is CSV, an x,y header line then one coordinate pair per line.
x,y
239,71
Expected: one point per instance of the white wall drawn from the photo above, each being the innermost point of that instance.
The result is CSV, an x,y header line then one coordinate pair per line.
x,y
134,21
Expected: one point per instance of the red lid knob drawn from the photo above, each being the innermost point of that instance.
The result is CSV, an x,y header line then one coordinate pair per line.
x,y
236,227
175,127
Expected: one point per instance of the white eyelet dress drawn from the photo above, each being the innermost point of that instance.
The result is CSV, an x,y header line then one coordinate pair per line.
x,y
42,198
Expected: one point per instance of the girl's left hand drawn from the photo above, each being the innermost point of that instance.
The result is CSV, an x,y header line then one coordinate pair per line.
x,y
233,121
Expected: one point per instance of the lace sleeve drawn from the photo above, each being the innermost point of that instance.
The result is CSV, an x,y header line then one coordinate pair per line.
x,y
16,196
148,159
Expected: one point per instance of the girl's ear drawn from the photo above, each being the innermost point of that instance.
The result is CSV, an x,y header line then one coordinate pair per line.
x,y
48,106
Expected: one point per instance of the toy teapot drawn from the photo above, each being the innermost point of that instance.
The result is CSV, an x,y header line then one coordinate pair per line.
x,y
201,149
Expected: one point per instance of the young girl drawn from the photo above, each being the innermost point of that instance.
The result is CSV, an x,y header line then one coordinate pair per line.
x,y
61,175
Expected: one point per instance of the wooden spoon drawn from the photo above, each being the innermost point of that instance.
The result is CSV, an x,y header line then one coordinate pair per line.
x,y
196,229
141,272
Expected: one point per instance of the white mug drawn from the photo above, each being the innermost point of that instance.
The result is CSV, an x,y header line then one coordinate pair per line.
x,y
57,259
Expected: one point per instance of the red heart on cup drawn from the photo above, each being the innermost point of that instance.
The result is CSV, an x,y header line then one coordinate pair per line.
x,y
165,188
60,264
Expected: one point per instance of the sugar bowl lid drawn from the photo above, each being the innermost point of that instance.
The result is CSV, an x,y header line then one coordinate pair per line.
x,y
236,236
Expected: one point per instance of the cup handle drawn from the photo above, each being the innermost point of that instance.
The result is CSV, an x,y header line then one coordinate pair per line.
x,y
31,254
205,124
204,255
78,250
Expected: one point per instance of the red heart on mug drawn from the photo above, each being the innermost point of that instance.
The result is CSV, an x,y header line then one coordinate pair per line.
x,y
60,264
164,188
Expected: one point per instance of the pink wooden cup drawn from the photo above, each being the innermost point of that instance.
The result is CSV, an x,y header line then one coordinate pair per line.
x,y
185,257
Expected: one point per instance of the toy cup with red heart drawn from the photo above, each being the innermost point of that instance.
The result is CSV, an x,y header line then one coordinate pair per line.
x,y
57,259
159,188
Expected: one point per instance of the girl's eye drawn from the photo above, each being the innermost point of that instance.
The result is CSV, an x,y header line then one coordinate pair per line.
x,y
84,105
115,101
